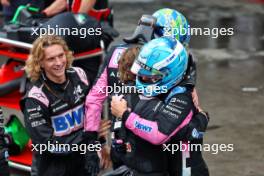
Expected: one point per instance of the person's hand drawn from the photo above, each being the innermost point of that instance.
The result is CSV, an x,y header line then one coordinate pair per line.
x,y
118,106
105,125
196,100
91,163
105,160
5,2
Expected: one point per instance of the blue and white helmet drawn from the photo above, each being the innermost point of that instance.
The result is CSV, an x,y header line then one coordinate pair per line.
x,y
173,24
161,65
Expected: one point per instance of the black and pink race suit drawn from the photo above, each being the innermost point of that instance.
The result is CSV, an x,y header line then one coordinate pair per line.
x,y
144,139
54,114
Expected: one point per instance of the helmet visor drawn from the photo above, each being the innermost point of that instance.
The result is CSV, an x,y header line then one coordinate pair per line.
x,y
139,66
146,74
149,79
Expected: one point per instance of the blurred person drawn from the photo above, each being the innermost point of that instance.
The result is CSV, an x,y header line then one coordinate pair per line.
x,y
54,7
97,9
81,6
47,8
84,6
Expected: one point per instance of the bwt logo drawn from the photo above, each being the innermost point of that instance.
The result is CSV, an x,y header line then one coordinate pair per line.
x,y
143,127
64,123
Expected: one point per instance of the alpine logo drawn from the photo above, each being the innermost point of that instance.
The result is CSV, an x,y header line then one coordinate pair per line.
x,y
38,95
78,93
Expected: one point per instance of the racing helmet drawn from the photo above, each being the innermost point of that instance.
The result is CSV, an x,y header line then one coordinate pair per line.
x,y
172,23
161,65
